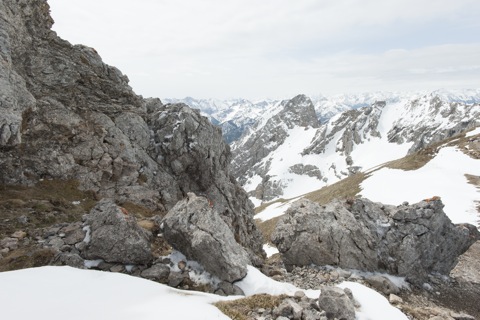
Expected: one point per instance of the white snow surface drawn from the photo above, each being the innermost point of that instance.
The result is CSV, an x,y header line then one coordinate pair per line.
x,y
274,210
443,176
474,132
269,249
374,306
57,293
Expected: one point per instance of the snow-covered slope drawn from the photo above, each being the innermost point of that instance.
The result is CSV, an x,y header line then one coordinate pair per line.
x,y
277,158
56,293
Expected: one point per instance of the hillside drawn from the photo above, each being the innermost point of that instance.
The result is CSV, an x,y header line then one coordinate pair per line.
x,y
278,160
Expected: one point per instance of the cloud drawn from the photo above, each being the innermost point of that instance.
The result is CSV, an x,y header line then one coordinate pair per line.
x,y
214,48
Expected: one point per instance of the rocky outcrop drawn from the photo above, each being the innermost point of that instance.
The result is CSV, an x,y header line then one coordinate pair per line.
x,y
67,115
408,240
115,236
197,230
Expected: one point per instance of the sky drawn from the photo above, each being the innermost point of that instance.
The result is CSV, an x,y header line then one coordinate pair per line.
x,y
279,48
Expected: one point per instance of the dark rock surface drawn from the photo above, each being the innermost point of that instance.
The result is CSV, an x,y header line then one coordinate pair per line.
x,y
197,230
408,240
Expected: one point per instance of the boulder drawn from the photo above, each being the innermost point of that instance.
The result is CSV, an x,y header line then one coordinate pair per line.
x,y
115,236
195,228
158,272
408,240
336,303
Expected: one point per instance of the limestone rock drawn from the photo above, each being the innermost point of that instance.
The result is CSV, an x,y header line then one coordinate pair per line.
x,y
410,241
116,236
196,229
228,289
65,114
382,284
336,303
158,272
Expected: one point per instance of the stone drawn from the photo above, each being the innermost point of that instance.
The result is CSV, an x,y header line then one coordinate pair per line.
x,y
69,259
228,289
9,243
382,284
175,279
410,241
461,316
19,234
115,236
394,299
196,229
311,314
74,236
117,268
336,303
158,272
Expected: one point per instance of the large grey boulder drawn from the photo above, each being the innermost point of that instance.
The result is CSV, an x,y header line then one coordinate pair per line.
x,y
115,236
336,303
194,228
408,240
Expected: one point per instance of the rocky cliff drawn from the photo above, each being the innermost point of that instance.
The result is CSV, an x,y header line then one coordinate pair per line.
x,y
67,115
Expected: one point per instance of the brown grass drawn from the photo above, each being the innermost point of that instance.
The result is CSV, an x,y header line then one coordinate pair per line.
x,y
343,189
267,227
239,309
26,258
46,203
140,211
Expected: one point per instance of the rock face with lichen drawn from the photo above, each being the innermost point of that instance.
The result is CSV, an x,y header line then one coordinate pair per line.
x,y
196,229
67,115
408,240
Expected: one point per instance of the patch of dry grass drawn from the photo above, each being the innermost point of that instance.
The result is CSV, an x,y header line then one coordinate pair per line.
x,y
46,203
343,189
26,258
239,309
267,227
140,211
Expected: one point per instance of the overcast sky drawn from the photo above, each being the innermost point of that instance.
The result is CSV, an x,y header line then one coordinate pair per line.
x,y
278,48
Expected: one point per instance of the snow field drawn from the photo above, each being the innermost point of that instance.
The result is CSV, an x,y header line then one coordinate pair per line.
x,y
443,176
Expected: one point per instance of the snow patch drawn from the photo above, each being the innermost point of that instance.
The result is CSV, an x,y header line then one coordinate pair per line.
x,y
374,306
269,249
443,176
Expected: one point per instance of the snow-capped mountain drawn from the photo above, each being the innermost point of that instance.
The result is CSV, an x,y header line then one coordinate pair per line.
x,y
284,157
235,116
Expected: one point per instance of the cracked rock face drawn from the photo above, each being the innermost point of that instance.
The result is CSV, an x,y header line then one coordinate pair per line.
x,y
115,236
197,230
408,240
67,115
